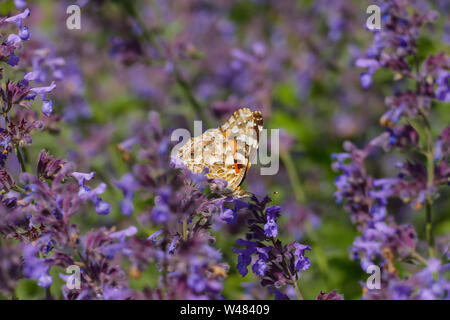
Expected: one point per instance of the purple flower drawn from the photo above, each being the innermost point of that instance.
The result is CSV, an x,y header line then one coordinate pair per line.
x,y
24,33
127,206
259,267
273,262
245,255
82,177
443,86
366,80
20,4
371,64
47,107
244,260
35,268
332,295
101,207
402,291
14,40
127,185
160,213
128,232
196,281
366,77
230,215
301,262
173,245
442,145
278,294
43,90
271,227
13,60
273,212
112,293
17,19
177,163
199,179
154,236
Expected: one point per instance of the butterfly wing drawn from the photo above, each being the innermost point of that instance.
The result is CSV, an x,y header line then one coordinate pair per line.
x,y
241,132
228,150
200,152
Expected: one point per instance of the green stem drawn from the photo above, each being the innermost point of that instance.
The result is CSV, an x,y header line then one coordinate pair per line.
x,y
295,284
19,156
430,171
429,229
165,268
293,280
418,257
18,189
430,183
184,85
185,229
293,177
300,197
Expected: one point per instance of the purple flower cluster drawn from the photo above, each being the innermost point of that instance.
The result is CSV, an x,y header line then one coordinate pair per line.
x,y
276,264
170,233
366,199
430,283
14,41
182,209
36,209
20,92
383,241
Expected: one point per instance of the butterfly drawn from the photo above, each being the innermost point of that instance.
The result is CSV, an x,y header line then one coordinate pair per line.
x,y
226,151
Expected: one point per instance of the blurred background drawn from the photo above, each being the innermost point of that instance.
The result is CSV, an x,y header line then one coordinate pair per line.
x,y
292,59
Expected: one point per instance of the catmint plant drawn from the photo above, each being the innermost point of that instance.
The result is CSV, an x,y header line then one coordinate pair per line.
x,y
419,179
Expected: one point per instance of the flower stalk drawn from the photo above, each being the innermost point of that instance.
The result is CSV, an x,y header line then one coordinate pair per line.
x,y
20,158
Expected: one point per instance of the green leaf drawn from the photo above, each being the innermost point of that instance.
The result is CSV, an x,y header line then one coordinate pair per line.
x,y
28,289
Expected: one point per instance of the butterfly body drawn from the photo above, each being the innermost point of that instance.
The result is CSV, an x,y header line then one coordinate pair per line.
x,y
226,151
